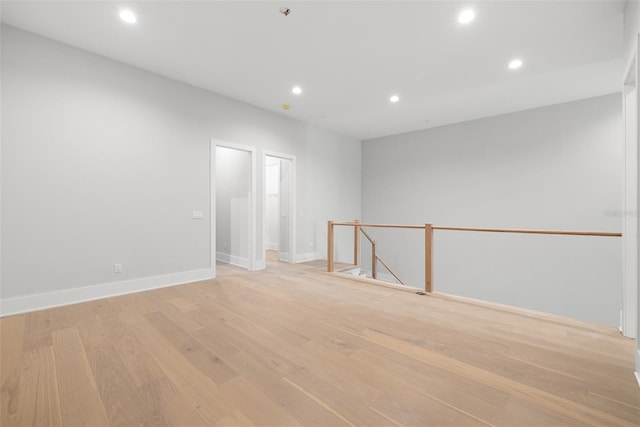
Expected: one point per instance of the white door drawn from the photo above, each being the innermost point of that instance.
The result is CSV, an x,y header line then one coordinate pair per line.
x,y
280,231
284,237
234,183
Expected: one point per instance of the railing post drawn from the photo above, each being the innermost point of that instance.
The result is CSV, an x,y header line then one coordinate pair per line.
x,y
356,242
428,255
374,261
330,247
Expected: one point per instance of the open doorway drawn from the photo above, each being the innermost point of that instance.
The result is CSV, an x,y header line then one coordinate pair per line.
x,y
279,206
234,209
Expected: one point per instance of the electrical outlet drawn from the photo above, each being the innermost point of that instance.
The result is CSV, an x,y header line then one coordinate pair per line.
x,y
118,268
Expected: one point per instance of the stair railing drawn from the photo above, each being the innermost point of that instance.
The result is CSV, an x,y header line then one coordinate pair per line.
x,y
374,257
428,243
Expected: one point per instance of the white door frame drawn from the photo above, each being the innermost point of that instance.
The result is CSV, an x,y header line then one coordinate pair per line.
x,y
629,319
631,305
252,201
292,203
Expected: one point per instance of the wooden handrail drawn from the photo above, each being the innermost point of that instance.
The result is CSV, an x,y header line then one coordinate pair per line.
x,y
390,270
374,257
428,258
428,239
356,243
330,247
529,231
493,230
379,225
373,242
374,261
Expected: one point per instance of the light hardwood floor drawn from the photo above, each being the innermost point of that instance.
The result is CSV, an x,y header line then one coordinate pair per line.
x,y
296,346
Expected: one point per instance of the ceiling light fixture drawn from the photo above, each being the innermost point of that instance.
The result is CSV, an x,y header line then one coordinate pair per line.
x,y
515,64
466,16
297,90
128,16
394,98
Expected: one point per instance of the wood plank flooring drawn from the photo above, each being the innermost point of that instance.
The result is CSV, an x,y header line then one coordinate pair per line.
x,y
293,345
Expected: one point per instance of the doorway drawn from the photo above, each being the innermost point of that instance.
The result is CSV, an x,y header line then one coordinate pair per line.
x,y
279,207
233,197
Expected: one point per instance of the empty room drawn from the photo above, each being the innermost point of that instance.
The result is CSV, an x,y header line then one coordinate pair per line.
x,y
319,213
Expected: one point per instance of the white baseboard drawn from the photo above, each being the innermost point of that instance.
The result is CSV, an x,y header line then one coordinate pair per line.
x,y
232,259
309,256
637,377
283,256
261,265
272,246
27,303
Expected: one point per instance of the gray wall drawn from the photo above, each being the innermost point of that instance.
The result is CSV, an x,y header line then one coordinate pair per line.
x,y
331,154
104,163
557,167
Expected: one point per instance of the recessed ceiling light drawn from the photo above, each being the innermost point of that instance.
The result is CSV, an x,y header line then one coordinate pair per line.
x,y
394,98
128,16
515,64
466,16
296,90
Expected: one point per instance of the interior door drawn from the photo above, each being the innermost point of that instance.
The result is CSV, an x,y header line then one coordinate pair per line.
x,y
284,249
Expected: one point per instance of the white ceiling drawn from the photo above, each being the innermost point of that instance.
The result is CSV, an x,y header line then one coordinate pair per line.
x,y
349,57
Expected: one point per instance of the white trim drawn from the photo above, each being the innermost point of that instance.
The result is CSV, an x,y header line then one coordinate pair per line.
x,y
630,64
629,323
292,203
232,259
1,231
212,207
283,256
637,302
27,303
271,246
251,266
621,315
309,256
637,377
253,229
